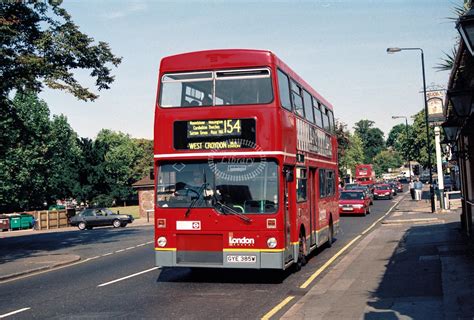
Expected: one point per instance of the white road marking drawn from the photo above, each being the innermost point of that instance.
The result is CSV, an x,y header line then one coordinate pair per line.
x,y
149,242
121,250
129,248
141,245
107,254
128,277
13,312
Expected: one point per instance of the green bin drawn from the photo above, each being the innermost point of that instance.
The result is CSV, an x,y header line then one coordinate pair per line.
x,y
15,222
27,221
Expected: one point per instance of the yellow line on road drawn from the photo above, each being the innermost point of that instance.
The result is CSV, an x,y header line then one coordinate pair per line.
x,y
328,263
277,308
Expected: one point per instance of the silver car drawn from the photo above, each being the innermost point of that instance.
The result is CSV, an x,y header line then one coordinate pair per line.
x,y
97,217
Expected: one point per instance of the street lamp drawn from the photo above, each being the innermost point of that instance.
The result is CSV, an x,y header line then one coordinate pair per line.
x,y
462,101
428,144
407,150
465,26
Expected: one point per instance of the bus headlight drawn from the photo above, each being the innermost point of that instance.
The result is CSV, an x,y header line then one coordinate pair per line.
x,y
161,242
271,243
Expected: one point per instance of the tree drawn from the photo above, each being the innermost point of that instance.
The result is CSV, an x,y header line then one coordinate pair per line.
x,y
394,135
63,157
418,145
372,138
386,159
119,155
350,149
42,45
24,136
145,160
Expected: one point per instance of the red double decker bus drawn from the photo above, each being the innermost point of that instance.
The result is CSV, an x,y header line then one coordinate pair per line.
x,y
245,163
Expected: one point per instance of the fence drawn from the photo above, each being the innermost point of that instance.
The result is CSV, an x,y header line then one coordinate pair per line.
x,y
453,199
54,219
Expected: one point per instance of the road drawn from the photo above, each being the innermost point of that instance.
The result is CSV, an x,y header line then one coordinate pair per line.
x,y
117,279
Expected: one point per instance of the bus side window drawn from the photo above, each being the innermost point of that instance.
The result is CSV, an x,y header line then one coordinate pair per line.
x,y
331,121
297,99
325,118
322,183
317,114
301,181
308,106
284,90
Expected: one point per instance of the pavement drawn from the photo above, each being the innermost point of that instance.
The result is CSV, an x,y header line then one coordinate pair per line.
x,y
41,261
416,265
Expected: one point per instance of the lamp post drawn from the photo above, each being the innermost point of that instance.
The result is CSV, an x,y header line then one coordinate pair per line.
x,y
465,26
407,150
428,144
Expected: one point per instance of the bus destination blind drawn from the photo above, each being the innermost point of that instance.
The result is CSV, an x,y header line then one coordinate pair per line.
x,y
214,134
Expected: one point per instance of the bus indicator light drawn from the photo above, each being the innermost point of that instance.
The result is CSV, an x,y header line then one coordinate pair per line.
x,y
271,224
161,223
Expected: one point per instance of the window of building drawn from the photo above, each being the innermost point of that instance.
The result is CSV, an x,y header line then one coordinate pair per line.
x,y
284,88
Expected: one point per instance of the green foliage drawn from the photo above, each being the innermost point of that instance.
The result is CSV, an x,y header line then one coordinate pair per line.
x,y
42,45
43,159
372,138
350,149
386,159
418,145
25,132
64,154
145,162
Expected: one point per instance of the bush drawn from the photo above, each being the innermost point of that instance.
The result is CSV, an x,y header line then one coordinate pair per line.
x,y
103,200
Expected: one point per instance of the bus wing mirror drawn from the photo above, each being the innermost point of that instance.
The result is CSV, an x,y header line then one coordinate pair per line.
x,y
289,177
152,174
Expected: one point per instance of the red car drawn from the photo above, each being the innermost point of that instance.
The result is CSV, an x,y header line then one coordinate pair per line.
x,y
354,202
383,191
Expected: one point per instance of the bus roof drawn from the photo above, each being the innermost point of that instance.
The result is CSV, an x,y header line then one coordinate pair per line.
x,y
231,58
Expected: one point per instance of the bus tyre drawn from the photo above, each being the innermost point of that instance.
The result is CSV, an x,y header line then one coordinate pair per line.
x,y
116,223
301,253
331,234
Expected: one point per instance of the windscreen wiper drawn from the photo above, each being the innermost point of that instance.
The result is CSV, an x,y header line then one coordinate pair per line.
x,y
222,207
199,192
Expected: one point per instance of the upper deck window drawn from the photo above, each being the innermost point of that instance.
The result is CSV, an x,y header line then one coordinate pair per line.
x,y
318,117
226,87
308,106
284,89
326,125
243,87
297,99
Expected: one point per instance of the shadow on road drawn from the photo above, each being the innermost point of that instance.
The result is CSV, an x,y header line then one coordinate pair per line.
x,y
211,275
46,243
411,286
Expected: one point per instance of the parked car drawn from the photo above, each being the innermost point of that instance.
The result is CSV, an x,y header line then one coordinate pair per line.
x,y
96,217
354,202
383,191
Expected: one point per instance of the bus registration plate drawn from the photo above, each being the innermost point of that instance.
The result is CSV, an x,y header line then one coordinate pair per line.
x,y
241,259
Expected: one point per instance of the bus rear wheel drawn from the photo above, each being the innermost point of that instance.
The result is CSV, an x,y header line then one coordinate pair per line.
x,y
302,259
331,234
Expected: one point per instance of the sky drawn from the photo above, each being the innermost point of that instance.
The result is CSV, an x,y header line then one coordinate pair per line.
x,y
337,46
